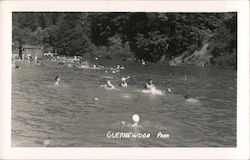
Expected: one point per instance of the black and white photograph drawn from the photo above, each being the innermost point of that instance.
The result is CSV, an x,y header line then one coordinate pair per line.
x,y
124,79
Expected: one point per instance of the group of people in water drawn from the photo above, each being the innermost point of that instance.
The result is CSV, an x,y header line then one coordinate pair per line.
x,y
123,83
108,85
149,87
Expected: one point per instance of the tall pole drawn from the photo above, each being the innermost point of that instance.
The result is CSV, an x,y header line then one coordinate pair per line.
x,y
20,48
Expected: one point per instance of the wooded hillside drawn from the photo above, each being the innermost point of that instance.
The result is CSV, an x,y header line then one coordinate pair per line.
x,y
155,37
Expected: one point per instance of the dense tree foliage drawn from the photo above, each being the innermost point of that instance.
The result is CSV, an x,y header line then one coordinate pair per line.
x,y
150,36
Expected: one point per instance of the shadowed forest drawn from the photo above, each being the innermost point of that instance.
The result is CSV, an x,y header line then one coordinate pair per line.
x,y
202,39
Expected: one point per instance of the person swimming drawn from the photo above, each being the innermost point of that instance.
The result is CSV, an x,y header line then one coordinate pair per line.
x,y
110,85
149,84
54,59
150,88
39,63
143,62
185,77
169,90
118,67
135,119
186,96
57,79
191,100
29,59
123,82
122,67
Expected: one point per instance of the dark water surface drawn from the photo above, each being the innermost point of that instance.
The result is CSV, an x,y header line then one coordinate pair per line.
x,y
68,116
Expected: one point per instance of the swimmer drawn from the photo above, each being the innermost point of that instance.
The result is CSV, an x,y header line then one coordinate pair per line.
x,y
143,62
29,59
39,63
121,67
135,119
169,90
186,96
185,77
123,82
118,67
110,85
57,79
123,123
149,84
150,88
53,59
191,100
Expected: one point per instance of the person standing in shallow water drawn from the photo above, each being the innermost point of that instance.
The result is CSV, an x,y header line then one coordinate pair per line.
x,y
57,79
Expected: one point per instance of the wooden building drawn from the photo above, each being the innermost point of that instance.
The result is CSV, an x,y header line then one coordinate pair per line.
x,y
27,50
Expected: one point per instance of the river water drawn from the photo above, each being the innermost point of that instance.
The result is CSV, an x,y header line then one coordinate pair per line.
x,y
68,116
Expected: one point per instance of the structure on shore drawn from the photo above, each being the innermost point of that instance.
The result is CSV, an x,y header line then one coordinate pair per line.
x,y
23,51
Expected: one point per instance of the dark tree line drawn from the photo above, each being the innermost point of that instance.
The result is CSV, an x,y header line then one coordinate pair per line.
x,y
150,36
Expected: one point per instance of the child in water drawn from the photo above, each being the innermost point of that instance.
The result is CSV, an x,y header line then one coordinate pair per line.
x,y
110,85
57,79
123,82
149,84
